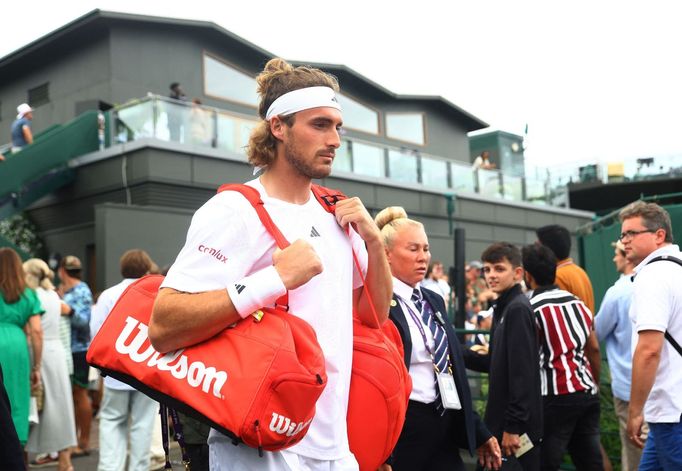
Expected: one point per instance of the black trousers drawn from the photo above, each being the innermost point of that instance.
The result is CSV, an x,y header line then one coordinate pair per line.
x,y
11,452
428,441
198,455
572,424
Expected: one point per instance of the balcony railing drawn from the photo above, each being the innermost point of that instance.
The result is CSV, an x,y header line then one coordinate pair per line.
x,y
197,125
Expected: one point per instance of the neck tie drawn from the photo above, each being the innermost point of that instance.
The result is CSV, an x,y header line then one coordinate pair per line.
x,y
440,351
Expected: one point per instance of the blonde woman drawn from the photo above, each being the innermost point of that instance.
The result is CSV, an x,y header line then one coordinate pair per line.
x,y
56,429
440,418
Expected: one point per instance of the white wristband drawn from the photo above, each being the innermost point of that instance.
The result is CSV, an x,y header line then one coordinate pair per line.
x,y
255,291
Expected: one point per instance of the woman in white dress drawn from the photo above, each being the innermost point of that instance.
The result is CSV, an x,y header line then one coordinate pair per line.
x,y
56,429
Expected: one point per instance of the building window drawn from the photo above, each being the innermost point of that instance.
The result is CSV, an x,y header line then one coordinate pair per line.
x,y
226,82
358,116
408,127
343,159
39,95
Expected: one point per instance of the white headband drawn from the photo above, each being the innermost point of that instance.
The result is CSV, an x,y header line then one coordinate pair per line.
x,y
302,99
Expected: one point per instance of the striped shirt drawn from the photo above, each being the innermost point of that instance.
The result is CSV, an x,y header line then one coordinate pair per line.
x,y
564,325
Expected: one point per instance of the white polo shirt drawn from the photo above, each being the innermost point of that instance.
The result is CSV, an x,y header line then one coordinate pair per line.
x,y
226,242
421,363
657,305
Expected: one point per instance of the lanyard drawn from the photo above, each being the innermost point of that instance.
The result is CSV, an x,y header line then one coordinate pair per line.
x,y
179,436
420,326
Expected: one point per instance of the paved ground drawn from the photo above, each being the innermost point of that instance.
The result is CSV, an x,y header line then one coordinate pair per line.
x,y
89,463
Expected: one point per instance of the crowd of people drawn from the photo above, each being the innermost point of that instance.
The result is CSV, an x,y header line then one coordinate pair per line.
x,y
50,393
541,355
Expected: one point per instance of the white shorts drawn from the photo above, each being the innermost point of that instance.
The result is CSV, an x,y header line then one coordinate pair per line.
x,y
224,456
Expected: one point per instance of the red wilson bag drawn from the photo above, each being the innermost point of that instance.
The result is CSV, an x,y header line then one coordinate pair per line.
x,y
380,384
257,381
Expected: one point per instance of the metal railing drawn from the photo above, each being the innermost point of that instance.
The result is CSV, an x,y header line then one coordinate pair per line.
x,y
197,125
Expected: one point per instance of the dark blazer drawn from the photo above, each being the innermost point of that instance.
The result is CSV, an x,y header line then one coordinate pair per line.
x,y
472,433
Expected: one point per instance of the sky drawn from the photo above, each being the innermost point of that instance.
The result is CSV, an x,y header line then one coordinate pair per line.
x,y
594,81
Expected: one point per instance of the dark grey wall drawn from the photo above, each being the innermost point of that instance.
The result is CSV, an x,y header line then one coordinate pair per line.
x,y
158,230
79,74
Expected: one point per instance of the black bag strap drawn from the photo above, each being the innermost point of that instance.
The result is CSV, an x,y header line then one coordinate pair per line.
x,y
673,342
668,258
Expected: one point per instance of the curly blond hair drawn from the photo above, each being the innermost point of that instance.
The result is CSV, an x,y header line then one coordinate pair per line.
x,y
390,220
38,273
280,77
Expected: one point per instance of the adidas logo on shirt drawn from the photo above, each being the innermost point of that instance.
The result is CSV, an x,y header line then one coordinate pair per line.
x,y
239,288
314,233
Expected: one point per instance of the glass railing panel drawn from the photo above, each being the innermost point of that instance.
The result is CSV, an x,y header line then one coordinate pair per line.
x,y
402,166
134,122
227,132
536,190
233,133
172,121
342,158
434,172
462,178
512,187
368,160
200,126
489,182
245,128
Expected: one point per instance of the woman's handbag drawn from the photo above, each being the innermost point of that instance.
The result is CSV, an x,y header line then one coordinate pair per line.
x,y
257,381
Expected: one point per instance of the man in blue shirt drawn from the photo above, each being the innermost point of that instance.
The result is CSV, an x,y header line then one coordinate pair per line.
x,y
614,328
21,128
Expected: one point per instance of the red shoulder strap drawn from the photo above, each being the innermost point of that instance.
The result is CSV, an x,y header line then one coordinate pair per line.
x,y
327,197
253,197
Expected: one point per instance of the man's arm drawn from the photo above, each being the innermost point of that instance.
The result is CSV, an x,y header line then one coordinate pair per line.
x,y
28,135
36,336
180,319
378,283
80,310
645,362
593,356
606,320
476,361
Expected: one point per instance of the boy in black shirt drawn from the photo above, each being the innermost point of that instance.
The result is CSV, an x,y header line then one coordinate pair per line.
x,y
514,407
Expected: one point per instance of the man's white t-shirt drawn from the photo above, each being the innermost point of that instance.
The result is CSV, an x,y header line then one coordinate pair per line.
x,y
657,305
226,242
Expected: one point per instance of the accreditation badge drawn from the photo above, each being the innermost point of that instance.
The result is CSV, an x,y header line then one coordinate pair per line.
x,y
448,391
